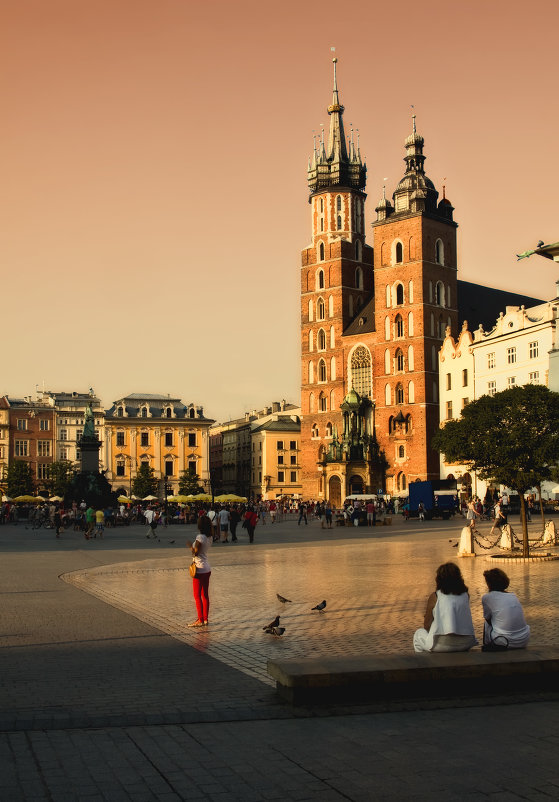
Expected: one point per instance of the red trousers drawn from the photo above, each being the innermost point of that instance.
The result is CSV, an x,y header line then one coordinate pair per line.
x,y
200,590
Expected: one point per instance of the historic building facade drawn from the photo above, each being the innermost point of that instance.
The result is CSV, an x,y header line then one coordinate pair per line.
x,y
372,322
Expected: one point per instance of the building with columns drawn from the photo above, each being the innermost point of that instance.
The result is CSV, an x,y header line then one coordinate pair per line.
x,y
160,431
373,318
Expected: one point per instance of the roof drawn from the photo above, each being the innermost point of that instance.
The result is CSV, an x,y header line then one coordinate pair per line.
x,y
151,397
283,424
367,315
478,304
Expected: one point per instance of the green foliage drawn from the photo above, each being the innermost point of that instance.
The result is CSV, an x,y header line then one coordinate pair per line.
x,y
20,479
145,483
93,488
189,484
61,475
511,438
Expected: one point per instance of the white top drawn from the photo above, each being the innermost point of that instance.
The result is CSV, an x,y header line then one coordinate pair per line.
x,y
149,515
201,559
504,613
211,514
451,615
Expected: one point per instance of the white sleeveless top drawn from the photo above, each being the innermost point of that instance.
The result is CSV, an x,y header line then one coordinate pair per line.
x,y
451,615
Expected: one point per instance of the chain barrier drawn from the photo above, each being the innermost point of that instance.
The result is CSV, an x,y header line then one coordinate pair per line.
x,y
485,543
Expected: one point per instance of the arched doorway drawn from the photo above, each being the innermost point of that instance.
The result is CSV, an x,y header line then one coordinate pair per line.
x,y
355,485
335,491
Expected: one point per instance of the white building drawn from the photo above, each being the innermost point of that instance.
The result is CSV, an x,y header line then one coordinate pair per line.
x,y
515,352
70,413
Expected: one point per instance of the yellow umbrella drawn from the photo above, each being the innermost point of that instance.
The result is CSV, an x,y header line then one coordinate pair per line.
x,y
28,499
55,498
124,500
202,497
173,499
183,499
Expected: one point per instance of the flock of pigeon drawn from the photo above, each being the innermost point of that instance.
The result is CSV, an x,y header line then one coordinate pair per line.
x,y
273,628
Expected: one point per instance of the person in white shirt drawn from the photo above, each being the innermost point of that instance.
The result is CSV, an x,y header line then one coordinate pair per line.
x,y
201,582
447,625
505,624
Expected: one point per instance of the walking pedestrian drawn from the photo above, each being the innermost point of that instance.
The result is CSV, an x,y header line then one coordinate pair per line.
x,y
249,523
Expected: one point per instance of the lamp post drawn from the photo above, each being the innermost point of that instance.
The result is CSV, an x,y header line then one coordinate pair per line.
x,y
166,488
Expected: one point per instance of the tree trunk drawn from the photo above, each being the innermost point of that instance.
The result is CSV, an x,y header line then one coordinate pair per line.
x,y
541,507
525,543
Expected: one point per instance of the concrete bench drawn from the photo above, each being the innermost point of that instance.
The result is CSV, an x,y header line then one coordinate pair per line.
x,y
329,680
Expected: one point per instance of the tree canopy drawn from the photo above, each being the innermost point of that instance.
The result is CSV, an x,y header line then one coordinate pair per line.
x,y
189,484
145,483
61,474
511,437
20,479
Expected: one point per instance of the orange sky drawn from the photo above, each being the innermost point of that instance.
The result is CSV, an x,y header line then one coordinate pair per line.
x,y
153,173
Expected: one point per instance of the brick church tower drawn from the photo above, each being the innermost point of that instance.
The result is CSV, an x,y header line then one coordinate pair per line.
x,y
371,330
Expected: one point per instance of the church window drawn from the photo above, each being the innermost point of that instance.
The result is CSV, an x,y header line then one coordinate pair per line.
x,y
320,309
398,253
322,223
403,482
322,371
388,297
411,392
333,368
359,250
331,306
401,452
339,222
448,296
399,394
410,292
321,340
361,371
332,399
311,311
322,403
439,252
410,324
399,360
359,278
387,361
329,430
410,357
311,403
311,373
321,252
322,204
320,280
332,337
339,203
386,328
311,341
387,395
314,432
399,294
398,326
439,294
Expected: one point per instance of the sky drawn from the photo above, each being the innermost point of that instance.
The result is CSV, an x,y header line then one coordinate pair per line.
x,y
153,156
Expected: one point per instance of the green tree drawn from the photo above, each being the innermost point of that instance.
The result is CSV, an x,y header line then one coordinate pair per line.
x,y
20,479
511,438
61,474
189,484
145,483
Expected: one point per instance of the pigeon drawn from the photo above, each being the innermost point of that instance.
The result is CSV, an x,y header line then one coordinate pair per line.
x,y
320,606
276,631
282,599
272,624
171,542
541,243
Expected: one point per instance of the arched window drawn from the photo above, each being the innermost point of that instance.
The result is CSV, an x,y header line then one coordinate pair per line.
x,y
321,340
388,298
439,252
410,292
398,253
339,203
322,403
168,412
410,324
401,452
333,368
332,337
320,309
408,421
192,412
432,325
399,361
399,394
143,412
331,306
386,328
448,304
387,395
322,371
359,278
311,403
361,371
321,252
328,430
311,373
311,311
332,399
398,327
322,204
410,357
411,393
359,250
320,280
311,340
439,294
314,432
391,424
120,412
339,222
399,294
387,361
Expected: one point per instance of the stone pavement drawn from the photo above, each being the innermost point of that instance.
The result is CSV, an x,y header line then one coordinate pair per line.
x,y
105,694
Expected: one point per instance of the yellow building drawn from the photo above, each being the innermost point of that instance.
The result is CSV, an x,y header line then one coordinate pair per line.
x,y
4,441
276,457
159,431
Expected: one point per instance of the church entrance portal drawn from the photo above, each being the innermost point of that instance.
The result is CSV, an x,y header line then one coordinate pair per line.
x,y
335,491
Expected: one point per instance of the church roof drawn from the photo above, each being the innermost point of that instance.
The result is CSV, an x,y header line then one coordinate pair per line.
x,y
364,320
478,304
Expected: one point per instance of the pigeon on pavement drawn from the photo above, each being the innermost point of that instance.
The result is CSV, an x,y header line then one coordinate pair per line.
x,y
320,606
276,631
272,624
282,599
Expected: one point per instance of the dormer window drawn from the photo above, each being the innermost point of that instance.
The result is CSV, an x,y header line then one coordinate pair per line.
x,y
192,413
120,412
143,412
168,412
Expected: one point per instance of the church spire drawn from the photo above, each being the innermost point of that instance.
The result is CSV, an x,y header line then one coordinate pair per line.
x,y
332,166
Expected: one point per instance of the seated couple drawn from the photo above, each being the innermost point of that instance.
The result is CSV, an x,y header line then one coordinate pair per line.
x,y
448,625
